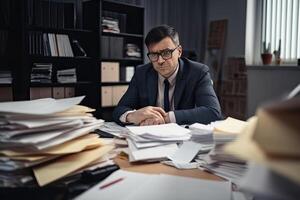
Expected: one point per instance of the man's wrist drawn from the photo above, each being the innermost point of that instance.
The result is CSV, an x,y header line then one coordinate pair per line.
x,y
123,117
130,117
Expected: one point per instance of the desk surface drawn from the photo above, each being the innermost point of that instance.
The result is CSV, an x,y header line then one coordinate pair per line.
x,y
154,168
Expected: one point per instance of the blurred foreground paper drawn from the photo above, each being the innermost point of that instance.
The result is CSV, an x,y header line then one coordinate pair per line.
x,y
270,140
278,129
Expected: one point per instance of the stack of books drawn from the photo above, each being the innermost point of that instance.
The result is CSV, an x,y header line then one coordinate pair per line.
x,y
66,76
53,141
41,73
113,22
132,50
110,25
5,77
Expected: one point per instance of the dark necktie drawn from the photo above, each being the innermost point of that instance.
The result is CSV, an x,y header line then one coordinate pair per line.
x,y
166,96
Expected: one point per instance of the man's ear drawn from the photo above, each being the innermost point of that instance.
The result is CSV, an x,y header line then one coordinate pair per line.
x,y
179,50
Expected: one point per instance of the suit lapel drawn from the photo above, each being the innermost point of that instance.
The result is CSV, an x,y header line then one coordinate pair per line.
x,y
180,84
152,87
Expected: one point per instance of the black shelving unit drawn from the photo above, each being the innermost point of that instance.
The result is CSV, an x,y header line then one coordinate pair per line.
x,y
130,20
9,51
30,24
59,17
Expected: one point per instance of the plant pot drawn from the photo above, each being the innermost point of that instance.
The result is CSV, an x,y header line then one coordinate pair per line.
x,y
266,58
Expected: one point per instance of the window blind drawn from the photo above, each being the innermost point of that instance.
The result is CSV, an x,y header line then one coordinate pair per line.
x,y
281,22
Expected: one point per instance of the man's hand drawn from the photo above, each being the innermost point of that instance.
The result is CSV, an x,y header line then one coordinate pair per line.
x,y
152,121
154,115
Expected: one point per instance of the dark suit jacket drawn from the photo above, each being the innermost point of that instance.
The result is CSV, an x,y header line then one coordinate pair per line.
x,y
194,96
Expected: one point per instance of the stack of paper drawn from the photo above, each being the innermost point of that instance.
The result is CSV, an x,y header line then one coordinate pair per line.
x,y
5,77
227,130
272,139
155,142
201,142
123,185
66,76
56,131
217,161
202,133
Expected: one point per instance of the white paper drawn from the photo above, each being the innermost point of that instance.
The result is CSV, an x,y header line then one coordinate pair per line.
x,y
152,153
164,187
186,152
40,106
163,130
131,181
4,135
139,186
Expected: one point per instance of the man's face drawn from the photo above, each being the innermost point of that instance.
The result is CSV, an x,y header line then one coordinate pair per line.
x,y
165,67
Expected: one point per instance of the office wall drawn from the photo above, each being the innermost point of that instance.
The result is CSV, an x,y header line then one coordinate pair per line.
x,y
269,83
235,12
188,18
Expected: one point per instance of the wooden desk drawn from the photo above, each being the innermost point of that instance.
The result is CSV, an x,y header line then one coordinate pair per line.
x,y
155,168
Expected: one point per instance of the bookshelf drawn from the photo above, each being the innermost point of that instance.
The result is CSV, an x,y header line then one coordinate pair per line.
x,y
47,40
120,28
26,28
8,41
53,36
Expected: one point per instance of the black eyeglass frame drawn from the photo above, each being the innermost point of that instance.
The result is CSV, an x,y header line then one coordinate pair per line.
x,y
160,54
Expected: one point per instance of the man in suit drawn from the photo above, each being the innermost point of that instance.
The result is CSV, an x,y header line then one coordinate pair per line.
x,y
170,88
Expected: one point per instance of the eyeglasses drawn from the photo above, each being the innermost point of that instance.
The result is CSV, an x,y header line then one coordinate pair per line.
x,y
165,54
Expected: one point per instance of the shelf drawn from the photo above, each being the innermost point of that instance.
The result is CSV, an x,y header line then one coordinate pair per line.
x,y
123,4
58,30
122,34
59,84
114,83
5,84
57,58
5,28
122,59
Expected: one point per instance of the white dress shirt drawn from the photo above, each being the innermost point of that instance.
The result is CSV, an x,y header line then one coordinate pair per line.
x,y
160,96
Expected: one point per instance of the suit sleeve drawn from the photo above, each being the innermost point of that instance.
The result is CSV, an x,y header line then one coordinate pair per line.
x,y
129,101
207,107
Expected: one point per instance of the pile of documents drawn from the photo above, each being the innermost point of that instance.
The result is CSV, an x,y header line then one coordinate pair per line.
x,y
41,73
130,185
110,25
50,137
66,76
156,142
271,140
5,77
200,143
217,161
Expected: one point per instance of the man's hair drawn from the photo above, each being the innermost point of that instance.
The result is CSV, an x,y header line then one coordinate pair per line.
x,y
158,33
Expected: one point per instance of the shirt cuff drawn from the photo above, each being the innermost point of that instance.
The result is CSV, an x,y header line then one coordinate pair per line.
x,y
172,117
124,116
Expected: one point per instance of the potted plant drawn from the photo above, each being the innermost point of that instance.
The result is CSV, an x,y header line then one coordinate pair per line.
x,y
266,55
277,54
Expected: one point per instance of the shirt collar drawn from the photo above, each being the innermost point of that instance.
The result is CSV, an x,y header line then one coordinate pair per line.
x,y
171,79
